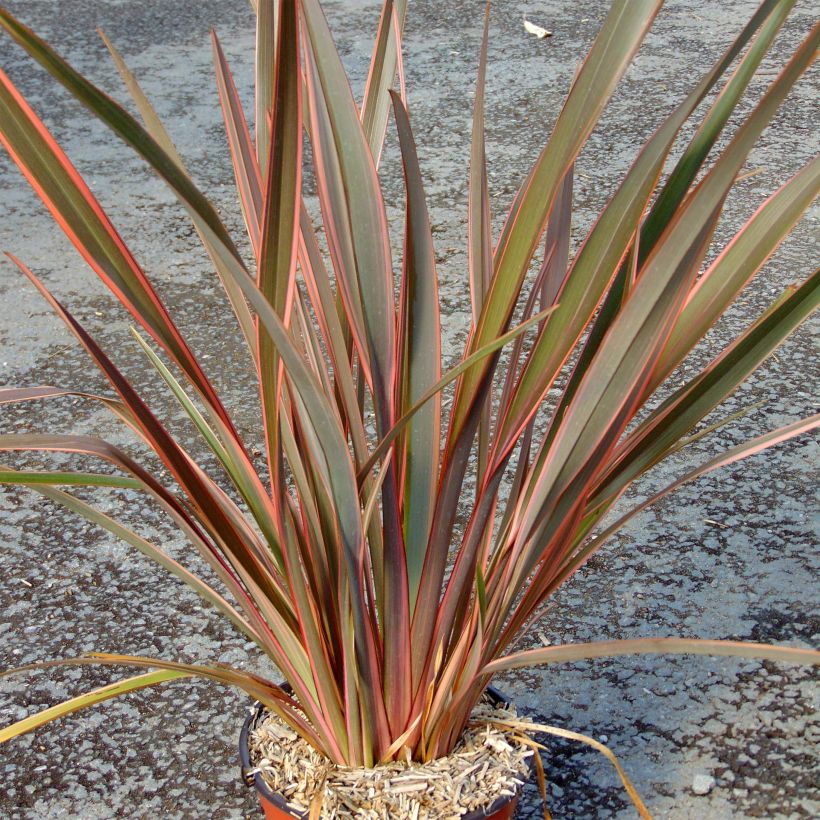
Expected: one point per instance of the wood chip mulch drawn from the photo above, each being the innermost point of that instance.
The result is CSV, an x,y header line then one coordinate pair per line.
x,y
490,761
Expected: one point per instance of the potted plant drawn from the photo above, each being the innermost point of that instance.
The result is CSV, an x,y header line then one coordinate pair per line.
x,y
342,554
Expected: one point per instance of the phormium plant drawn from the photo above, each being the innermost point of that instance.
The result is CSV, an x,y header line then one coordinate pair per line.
x,y
343,560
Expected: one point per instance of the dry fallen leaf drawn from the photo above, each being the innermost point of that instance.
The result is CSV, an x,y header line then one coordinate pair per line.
x,y
539,32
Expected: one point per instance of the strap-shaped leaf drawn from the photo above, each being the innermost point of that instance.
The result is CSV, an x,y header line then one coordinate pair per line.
x,y
276,275
122,123
13,395
245,165
772,14
330,187
317,281
450,376
158,131
29,478
268,693
232,457
366,217
479,233
266,28
102,449
223,526
748,448
684,174
205,591
605,246
385,59
689,404
607,393
618,40
739,261
569,653
260,607
420,366
78,213
113,690
667,273
334,452
126,127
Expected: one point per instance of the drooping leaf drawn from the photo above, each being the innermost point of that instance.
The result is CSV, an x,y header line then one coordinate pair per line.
x,y
42,485
113,690
569,653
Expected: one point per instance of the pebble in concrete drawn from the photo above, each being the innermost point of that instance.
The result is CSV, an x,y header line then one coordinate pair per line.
x,y
703,783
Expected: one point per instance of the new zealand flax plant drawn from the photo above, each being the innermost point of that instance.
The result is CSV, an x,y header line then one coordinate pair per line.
x,y
344,560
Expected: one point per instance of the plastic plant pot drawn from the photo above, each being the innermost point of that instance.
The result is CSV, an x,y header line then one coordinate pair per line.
x,y
275,807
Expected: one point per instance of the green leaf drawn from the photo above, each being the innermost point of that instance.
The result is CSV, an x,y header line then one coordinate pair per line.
x,y
206,592
335,454
604,402
721,282
276,275
231,456
479,234
365,218
600,409
225,523
120,121
271,695
267,14
449,377
607,243
611,53
769,16
748,448
113,690
29,478
690,403
243,155
420,363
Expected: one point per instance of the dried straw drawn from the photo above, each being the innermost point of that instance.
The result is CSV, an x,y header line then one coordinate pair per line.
x,y
490,761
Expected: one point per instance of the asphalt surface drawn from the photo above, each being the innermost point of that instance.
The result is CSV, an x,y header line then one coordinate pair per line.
x,y
732,556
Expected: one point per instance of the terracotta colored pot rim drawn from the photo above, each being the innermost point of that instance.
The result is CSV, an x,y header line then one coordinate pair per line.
x,y
504,803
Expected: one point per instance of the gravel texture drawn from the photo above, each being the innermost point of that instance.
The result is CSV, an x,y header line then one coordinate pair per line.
x,y
732,556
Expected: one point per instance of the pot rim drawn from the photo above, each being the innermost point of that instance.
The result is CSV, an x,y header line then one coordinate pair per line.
x,y
258,782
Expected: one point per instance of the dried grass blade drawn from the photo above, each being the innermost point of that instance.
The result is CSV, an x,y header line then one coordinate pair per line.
x,y
598,746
